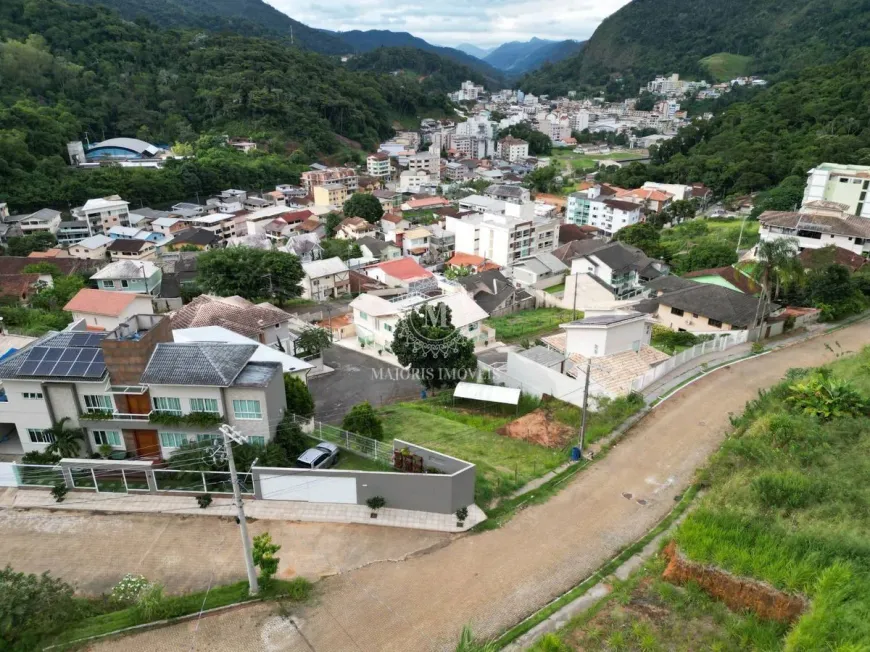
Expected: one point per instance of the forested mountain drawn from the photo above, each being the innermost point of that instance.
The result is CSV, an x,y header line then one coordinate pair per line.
x,y
518,57
772,140
71,69
473,50
379,38
435,73
245,17
649,37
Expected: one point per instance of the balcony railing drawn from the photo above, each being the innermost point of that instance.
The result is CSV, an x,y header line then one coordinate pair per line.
x,y
110,415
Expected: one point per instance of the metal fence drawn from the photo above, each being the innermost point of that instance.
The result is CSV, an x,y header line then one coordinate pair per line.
x,y
37,475
215,482
359,444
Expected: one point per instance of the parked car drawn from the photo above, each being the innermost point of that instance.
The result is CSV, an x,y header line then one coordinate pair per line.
x,y
322,456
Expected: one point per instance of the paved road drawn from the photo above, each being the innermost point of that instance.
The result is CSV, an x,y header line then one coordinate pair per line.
x,y
493,580
357,378
94,551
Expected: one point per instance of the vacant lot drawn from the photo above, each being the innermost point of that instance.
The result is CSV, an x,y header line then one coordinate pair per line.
x,y
725,66
530,324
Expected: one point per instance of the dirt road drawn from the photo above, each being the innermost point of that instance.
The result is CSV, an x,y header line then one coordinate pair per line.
x,y
493,580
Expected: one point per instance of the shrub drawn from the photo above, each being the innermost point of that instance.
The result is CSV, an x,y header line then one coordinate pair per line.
x,y
376,502
786,489
462,514
264,556
40,457
826,398
151,604
204,500
363,420
128,590
291,438
105,450
299,400
32,608
756,348
59,492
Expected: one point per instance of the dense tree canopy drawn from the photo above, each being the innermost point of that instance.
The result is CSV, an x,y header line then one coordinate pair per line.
x,y
365,206
250,273
539,143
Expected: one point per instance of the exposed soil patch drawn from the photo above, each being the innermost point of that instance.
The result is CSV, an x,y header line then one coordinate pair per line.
x,y
539,427
736,592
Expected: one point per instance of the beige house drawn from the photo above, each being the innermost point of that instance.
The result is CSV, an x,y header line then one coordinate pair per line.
x,y
354,228
106,310
334,194
325,279
124,249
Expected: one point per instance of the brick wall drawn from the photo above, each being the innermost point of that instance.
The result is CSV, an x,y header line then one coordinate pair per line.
x,y
127,359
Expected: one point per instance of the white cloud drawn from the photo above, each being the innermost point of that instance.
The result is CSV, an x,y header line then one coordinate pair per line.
x,y
451,22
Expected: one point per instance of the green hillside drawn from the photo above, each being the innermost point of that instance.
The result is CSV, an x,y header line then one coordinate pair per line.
x,y
438,73
649,37
724,66
69,69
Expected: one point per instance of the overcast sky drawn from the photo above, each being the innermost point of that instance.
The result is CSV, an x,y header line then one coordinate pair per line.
x,y
483,23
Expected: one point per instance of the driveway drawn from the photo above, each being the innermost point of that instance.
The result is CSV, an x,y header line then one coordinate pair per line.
x,y
185,553
495,579
357,378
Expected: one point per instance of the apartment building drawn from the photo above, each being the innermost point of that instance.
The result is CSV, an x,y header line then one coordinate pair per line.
x,y
103,213
505,239
344,176
333,194
44,220
425,162
378,165
114,384
843,184
223,225
512,149
592,207
72,232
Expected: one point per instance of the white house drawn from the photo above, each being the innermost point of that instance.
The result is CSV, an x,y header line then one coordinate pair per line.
x,y
843,184
93,248
45,220
607,333
325,279
106,310
104,213
818,224
141,277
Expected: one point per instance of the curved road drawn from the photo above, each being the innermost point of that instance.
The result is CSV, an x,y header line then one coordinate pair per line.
x,y
495,579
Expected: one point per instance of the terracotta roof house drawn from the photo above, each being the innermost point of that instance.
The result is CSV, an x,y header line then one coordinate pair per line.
x,y
700,307
403,272
817,258
19,286
476,263
105,310
261,322
353,228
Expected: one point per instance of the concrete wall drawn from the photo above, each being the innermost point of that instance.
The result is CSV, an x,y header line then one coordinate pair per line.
x,y
606,340
694,323
537,380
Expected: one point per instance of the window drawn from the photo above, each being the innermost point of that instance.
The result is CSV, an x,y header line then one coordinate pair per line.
x,y
388,328
204,405
207,438
110,437
165,404
257,441
125,284
39,436
247,409
175,439
677,312
32,396
97,403
108,284
363,315
695,315
715,322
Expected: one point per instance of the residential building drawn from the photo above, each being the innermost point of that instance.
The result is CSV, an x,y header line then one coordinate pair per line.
x,y
52,253
20,287
541,271
418,181
123,376
192,238
168,225
735,279
104,213
512,149
705,308
45,220
325,279
375,318
225,225
334,194
354,228
123,249
442,243
512,194
71,232
262,322
843,184
679,191
346,177
389,200
821,258
505,239
134,233
9,230
415,243
403,272
580,121
92,248
818,224
140,277
425,162
482,204
392,222
104,310
475,137
455,171
378,249
378,165
425,203
607,334
650,199
473,262
495,294
593,207
304,245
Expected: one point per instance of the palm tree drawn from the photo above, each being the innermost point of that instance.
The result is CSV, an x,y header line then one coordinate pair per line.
x,y
775,261
66,442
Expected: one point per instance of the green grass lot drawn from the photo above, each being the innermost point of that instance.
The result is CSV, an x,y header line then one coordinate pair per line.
x,y
555,289
348,461
725,66
530,323
469,433
590,161
683,236
648,614
789,504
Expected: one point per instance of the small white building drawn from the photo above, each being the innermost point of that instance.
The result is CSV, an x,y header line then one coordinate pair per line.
x,y
93,248
818,224
607,333
325,279
105,309
104,213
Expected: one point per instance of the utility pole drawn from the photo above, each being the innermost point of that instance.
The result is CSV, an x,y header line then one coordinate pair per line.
x,y
582,440
574,312
232,435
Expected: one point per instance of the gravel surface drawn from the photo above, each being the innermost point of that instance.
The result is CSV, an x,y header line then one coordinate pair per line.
x,y
493,580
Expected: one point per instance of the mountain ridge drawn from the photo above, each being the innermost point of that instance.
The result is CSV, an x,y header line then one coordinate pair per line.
x,y
516,57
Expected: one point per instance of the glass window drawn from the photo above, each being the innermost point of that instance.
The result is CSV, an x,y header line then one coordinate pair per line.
x,y
257,441
39,436
166,404
174,439
97,402
110,437
388,328
715,322
247,409
204,405
363,315
207,438
32,396
676,311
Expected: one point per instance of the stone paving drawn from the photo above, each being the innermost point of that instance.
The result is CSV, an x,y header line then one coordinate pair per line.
x,y
270,510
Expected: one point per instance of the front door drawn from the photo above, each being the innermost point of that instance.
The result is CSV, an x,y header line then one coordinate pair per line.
x,y
147,443
139,403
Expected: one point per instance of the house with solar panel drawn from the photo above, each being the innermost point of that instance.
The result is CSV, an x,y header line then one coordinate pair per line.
x,y
137,390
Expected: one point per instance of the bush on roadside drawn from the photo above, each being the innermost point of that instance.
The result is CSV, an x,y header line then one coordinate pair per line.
x,y
787,489
128,590
152,604
826,398
363,420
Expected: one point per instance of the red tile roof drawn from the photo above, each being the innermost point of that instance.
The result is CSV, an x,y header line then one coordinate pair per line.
x,y
404,269
478,263
101,302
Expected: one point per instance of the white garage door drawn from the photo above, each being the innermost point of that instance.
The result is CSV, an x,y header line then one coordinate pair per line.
x,y
309,488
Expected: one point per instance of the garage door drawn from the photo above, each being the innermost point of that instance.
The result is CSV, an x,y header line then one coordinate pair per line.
x,y
309,488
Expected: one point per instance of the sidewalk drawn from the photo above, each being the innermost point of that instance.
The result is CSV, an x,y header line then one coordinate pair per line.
x,y
371,350
266,510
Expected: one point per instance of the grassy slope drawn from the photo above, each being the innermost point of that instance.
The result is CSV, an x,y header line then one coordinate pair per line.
x,y
529,323
725,66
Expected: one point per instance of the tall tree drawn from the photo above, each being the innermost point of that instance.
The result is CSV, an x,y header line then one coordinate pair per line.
x,y
299,399
644,236
365,206
774,261
250,273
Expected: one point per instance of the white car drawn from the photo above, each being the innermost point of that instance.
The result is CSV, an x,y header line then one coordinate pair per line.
x,y
322,456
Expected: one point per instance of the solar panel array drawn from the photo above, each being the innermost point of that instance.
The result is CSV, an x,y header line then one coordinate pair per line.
x,y
76,361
